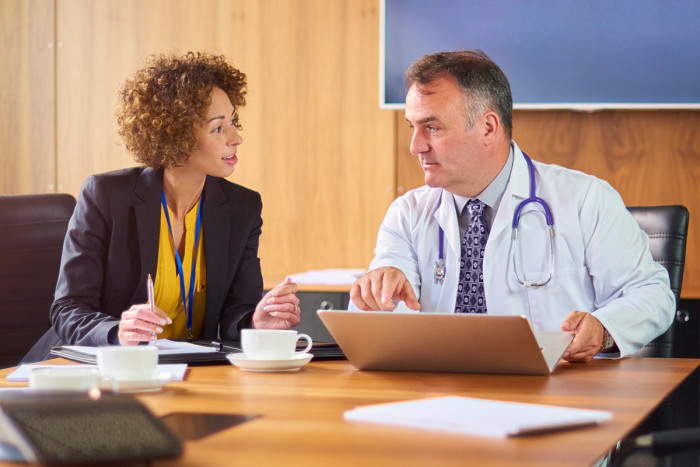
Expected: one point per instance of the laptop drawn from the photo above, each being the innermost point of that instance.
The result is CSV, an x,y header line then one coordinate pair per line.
x,y
454,343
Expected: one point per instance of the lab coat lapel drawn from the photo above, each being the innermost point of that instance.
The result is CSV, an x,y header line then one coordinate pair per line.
x,y
516,191
446,217
497,262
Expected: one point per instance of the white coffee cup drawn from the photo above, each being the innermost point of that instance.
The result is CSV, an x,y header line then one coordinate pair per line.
x,y
128,363
272,344
64,379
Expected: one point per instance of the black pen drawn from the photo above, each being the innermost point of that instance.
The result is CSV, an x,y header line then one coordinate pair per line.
x,y
223,346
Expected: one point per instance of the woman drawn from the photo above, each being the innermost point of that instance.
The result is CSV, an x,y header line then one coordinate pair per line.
x,y
176,218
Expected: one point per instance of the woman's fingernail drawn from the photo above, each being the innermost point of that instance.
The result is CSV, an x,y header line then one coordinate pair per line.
x,y
159,329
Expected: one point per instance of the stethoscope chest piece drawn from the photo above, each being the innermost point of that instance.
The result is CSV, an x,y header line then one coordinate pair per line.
x,y
439,269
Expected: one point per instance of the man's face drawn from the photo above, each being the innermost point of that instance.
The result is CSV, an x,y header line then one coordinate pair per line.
x,y
452,155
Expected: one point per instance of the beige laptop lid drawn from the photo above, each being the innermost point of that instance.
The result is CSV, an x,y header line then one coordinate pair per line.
x,y
458,343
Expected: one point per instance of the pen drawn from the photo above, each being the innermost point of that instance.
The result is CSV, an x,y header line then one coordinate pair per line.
x,y
151,301
220,346
229,347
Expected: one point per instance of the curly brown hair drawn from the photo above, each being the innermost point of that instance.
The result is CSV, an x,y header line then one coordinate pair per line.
x,y
163,102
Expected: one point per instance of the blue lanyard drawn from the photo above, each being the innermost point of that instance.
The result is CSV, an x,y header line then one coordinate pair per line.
x,y
187,305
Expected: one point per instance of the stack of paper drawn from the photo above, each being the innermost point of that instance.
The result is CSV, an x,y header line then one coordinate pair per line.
x,y
21,374
168,352
477,416
327,276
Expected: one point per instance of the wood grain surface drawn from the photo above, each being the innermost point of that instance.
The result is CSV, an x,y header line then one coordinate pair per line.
x,y
301,413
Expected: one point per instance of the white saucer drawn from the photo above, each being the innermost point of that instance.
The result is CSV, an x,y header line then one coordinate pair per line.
x,y
146,385
292,364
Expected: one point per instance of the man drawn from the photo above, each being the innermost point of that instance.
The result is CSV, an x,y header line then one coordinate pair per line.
x,y
449,246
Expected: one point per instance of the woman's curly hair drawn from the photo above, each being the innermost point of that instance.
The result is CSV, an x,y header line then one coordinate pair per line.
x,y
163,102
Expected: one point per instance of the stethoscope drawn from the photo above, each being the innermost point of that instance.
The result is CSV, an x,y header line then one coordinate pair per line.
x,y
533,198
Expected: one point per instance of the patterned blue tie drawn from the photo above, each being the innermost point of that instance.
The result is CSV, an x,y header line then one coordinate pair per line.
x,y
470,292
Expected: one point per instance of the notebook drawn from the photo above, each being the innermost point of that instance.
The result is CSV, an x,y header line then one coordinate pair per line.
x,y
456,343
466,415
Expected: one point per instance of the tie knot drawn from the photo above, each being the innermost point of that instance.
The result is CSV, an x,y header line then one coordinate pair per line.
x,y
475,207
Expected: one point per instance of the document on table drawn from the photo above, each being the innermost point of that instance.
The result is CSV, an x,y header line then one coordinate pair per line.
x,y
477,416
165,347
328,276
168,347
168,352
21,374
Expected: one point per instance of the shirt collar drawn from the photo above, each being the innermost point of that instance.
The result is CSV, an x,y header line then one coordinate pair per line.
x,y
492,194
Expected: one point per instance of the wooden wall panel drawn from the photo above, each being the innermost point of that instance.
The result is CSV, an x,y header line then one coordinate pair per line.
x,y
102,42
27,134
652,157
326,151
316,145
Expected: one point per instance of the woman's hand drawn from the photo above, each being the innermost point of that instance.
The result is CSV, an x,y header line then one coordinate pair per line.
x,y
139,324
279,308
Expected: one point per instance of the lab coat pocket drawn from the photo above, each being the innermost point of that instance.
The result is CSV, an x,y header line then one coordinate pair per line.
x,y
568,290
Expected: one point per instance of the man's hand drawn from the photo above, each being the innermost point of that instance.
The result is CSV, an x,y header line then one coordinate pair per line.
x,y
588,336
376,290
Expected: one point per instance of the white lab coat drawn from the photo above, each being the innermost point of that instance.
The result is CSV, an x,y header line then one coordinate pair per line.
x,y
602,262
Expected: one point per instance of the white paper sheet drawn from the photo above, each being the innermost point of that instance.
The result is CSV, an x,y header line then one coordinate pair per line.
x,y
477,416
165,347
328,276
21,374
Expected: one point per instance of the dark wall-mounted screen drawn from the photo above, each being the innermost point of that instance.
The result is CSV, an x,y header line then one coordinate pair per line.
x,y
583,54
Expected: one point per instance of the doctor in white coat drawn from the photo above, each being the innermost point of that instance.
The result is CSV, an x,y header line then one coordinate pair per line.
x,y
595,278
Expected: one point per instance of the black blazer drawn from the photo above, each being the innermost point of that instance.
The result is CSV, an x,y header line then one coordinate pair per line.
x,y
112,244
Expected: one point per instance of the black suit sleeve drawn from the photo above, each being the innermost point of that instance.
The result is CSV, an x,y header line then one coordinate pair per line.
x,y
246,289
75,313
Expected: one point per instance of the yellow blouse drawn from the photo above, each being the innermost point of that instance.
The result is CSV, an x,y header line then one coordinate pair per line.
x,y
166,287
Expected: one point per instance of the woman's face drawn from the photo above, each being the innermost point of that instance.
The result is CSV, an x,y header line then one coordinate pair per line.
x,y
217,137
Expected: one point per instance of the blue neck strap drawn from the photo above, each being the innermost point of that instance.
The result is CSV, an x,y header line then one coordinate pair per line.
x,y
187,299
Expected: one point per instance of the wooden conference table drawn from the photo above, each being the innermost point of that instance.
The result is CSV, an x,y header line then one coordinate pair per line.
x,y
301,413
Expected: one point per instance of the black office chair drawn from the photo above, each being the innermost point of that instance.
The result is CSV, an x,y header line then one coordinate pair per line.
x,y
32,229
667,228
